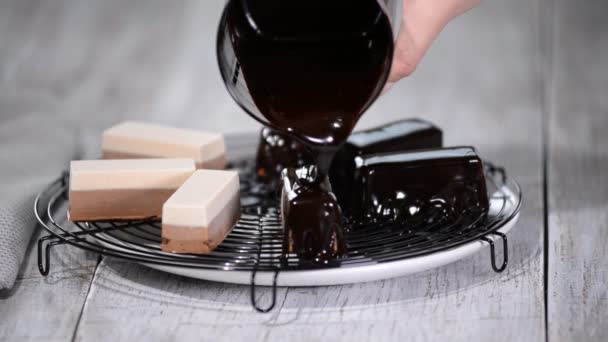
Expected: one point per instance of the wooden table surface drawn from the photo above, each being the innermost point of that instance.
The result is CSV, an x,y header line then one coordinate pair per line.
x,y
525,81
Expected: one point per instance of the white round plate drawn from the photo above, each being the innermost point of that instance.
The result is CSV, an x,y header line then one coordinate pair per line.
x,y
346,275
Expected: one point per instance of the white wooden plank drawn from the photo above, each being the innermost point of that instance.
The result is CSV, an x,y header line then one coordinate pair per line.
x,y
578,183
480,82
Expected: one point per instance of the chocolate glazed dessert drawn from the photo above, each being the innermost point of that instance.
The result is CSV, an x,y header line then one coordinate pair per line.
x,y
398,136
311,69
433,186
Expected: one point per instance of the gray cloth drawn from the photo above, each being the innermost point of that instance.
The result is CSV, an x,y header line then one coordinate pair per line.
x,y
35,146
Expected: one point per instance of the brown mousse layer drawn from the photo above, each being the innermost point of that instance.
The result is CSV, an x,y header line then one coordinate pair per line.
x,y
128,204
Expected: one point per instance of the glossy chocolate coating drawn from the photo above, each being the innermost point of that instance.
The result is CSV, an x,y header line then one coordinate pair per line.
x,y
311,216
398,136
277,151
424,186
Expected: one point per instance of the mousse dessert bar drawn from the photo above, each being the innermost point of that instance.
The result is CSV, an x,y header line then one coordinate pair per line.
x,y
403,135
435,184
200,214
277,151
311,216
130,140
407,134
124,189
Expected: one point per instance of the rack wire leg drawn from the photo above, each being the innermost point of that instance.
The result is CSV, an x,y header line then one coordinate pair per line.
x,y
274,293
493,251
44,253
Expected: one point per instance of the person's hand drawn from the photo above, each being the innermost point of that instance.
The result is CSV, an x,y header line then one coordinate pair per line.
x,y
422,21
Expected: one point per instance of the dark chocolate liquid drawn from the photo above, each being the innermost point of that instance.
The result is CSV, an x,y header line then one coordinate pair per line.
x,y
276,151
312,67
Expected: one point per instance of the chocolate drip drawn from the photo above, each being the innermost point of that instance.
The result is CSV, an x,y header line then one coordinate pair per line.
x,y
277,151
312,71
311,216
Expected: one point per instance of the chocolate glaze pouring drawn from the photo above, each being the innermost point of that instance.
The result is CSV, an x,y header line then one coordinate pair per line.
x,y
310,68
277,151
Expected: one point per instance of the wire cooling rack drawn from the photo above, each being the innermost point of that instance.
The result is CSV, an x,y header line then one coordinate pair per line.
x,y
255,243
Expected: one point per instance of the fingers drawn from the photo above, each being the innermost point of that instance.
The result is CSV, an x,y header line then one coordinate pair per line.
x,y
422,21
460,6
407,54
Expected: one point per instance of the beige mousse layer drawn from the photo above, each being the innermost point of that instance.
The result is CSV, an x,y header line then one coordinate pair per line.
x,y
144,140
201,213
124,189
214,164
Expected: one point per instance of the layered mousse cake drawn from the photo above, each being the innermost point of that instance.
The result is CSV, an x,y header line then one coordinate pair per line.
x,y
277,151
200,214
311,216
398,136
129,140
124,189
433,185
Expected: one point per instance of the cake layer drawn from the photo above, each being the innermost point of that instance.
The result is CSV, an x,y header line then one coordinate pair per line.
x,y
129,174
217,164
201,198
196,246
201,239
226,218
137,139
199,215
117,204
